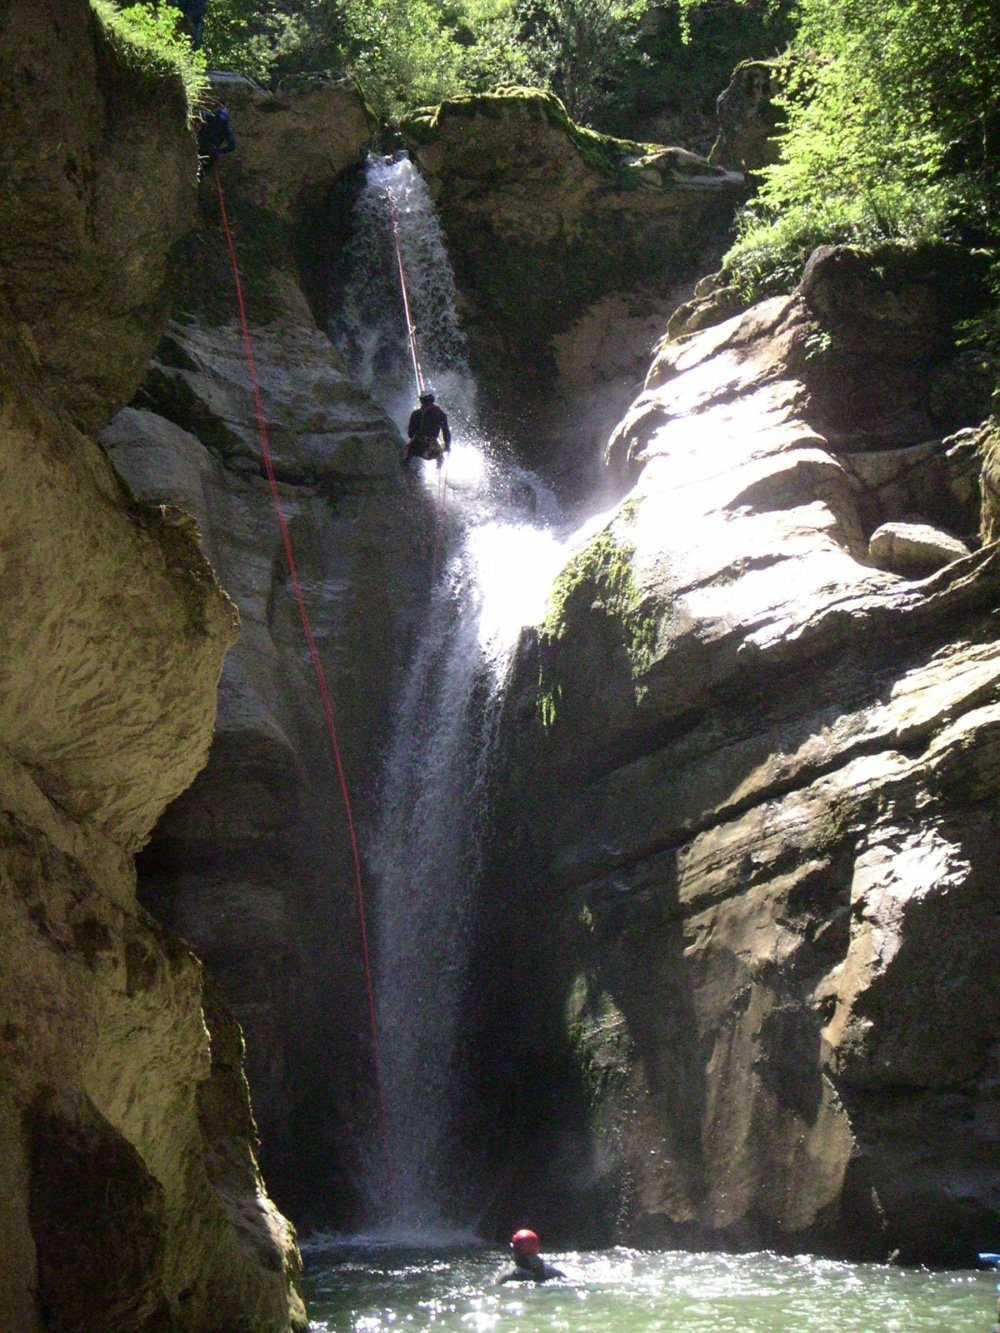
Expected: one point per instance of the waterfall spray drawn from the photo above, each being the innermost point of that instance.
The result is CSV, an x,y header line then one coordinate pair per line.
x,y
426,848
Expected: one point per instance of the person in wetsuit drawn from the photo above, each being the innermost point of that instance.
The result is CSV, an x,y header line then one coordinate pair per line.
x,y
215,135
426,423
194,19
529,1266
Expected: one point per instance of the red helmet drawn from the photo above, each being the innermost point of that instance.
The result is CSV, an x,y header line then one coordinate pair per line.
x,y
524,1242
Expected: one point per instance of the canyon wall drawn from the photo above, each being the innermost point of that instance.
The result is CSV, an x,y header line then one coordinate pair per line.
x,y
129,1191
571,250
745,865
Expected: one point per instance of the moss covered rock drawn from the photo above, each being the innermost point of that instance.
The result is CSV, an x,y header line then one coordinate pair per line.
x,y
544,221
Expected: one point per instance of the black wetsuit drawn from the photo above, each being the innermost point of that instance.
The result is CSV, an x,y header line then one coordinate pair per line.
x,y
216,136
425,424
532,1269
194,13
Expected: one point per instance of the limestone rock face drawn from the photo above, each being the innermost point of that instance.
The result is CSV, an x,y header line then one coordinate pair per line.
x,y
293,143
131,1197
913,549
555,232
99,176
748,117
767,773
253,865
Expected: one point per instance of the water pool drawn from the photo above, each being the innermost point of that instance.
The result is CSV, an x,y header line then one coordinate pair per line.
x,y
354,1288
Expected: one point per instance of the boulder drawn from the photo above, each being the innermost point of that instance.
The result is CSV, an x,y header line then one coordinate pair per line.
x,y
293,142
913,549
748,116
988,446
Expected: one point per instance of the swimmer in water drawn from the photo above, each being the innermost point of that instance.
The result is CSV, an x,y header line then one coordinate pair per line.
x,y
529,1266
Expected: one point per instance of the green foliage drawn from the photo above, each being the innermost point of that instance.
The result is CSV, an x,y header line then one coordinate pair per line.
x,y
581,47
150,40
891,134
611,61
417,52
251,36
601,574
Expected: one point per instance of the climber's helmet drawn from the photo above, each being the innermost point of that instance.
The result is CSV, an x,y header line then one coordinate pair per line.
x,y
524,1243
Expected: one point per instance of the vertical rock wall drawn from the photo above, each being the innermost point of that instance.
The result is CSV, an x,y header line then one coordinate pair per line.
x,y
129,1192
759,880
253,864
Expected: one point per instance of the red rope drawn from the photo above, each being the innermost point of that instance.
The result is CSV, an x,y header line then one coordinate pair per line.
x,y
418,373
411,328
319,672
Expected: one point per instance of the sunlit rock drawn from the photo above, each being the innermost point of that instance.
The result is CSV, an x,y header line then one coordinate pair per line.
x,y
556,231
131,1193
766,769
913,549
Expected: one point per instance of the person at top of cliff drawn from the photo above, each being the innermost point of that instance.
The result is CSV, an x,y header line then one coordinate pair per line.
x,y
426,423
215,134
194,19
529,1266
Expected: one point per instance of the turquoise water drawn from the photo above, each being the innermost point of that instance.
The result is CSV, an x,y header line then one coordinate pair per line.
x,y
358,1289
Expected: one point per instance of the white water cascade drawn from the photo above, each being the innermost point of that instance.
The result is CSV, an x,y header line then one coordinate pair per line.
x,y
493,576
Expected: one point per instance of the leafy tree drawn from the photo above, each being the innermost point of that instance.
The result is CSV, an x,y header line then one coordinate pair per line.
x,y
250,35
585,45
415,52
150,39
892,132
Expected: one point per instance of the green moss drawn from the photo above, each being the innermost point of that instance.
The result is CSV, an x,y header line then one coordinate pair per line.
x,y
989,452
598,580
602,572
599,1042
623,161
147,42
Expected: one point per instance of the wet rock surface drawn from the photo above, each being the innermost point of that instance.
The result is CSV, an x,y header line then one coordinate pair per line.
x,y
765,768
554,231
253,864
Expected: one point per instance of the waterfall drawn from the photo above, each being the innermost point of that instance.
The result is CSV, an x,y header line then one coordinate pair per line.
x,y
493,578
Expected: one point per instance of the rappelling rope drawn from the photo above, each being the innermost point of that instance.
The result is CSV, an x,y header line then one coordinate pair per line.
x,y
418,375
411,328
317,665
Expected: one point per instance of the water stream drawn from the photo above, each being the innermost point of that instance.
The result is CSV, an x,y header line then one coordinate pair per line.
x,y
492,578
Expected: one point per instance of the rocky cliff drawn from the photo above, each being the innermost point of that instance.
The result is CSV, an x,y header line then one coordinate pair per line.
x,y
571,249
747,821
130,1192
740,881
253,864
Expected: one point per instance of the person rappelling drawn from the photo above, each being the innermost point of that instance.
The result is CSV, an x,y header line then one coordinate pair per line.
x,y
193,14
215,135
427,422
